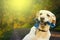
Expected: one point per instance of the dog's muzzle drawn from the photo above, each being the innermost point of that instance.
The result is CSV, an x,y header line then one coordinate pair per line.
x,y
41,22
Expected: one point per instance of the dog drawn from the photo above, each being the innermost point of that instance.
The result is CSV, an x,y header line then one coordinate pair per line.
x,y
40,31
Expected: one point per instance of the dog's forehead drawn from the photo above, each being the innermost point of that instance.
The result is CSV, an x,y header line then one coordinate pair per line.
x,y
46,12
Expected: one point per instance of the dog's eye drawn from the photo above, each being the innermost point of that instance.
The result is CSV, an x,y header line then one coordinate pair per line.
x,y
48,15
40,13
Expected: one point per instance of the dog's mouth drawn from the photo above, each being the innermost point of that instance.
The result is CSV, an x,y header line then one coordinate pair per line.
x,y
43,23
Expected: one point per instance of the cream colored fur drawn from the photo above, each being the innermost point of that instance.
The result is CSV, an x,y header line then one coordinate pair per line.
x,y
34,33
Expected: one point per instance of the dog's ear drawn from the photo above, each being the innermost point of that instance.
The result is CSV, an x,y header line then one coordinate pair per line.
x,y
54,20
36,17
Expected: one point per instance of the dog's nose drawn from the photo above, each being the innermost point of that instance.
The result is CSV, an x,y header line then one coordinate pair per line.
x,y
42,18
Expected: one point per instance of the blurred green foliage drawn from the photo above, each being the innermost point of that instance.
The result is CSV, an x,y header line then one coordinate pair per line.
x,y
12,19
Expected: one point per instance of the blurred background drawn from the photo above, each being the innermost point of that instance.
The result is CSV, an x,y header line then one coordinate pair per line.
x,y
17,14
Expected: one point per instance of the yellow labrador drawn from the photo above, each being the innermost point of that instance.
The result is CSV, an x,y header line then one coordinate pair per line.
x,y
40,31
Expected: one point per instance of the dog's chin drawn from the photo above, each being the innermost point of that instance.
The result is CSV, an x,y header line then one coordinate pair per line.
x,y
42,24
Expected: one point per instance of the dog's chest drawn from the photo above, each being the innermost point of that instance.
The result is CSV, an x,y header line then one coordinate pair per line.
x,y
41,34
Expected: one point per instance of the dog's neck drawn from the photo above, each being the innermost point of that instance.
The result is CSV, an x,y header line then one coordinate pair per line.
x,y
46,27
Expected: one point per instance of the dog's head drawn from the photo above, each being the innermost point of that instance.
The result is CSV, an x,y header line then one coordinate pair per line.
x,y
45,16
